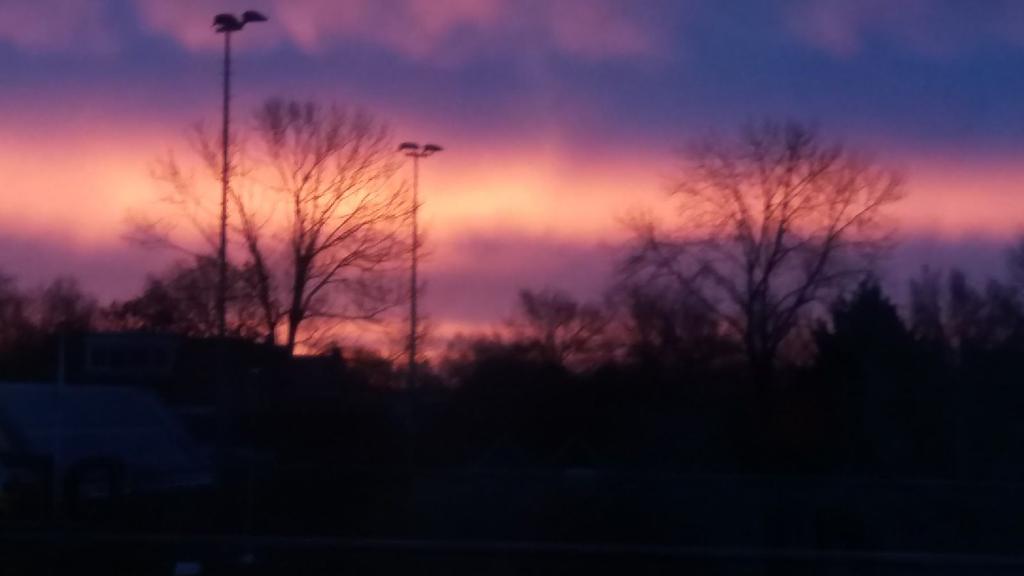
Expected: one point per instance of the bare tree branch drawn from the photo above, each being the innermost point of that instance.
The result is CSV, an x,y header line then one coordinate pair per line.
x,y
770,223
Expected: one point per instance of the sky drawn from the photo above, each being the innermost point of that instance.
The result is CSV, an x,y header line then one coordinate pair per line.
x,y
559,118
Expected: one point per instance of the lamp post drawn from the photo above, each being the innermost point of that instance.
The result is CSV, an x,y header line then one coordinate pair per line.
x,y
415,151
227,24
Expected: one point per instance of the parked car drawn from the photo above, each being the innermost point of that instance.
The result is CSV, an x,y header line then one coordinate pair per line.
x,y
101,443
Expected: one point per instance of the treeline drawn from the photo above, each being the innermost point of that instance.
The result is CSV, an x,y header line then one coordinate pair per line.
x,y
928,388
180,301
863,389
30,321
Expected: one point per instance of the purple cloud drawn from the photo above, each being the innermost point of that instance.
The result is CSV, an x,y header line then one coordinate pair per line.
x,y
436,30
931,27
55,25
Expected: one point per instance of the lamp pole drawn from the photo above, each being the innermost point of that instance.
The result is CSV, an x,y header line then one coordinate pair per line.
x,y
226,24
416,152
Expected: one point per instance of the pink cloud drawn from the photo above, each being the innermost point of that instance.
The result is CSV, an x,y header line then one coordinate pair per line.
x,y
439,30
594,28
841,27
55,25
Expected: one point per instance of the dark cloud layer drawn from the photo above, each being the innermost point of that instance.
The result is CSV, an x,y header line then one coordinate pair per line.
x,y
936,73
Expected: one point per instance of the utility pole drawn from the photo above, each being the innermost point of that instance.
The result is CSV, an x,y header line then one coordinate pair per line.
x,y
225,182
227,24
414,151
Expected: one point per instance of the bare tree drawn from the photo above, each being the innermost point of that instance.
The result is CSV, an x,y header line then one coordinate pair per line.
x,y
183,298
332,169
662,327
315,210
768,225
981,319
14,318
62,306
183,301
562,329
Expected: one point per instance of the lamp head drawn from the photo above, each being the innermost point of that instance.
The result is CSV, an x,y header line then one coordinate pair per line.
x,y
252,16
226,23
230,23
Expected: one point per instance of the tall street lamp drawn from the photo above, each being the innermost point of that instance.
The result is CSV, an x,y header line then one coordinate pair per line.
x,y
415,151
226,24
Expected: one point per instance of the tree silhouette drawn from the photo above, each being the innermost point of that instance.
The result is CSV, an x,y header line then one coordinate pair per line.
x,y
769,224
62,306
926,320
561,329
1015,263
14,314
183,301
865,355
965,311
664,328
315,209
331,169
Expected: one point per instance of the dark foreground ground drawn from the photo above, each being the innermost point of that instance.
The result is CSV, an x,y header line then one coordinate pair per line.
x,y
573,521
164,554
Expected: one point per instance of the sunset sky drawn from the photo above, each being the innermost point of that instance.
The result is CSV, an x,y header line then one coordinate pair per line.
x,y
559,117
